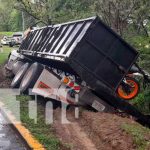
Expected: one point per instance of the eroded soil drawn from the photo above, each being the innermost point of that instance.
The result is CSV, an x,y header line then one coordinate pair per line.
x,y
4,82
94,131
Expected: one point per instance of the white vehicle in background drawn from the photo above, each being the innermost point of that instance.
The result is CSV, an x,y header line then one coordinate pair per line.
x,y
16,39
6,40
1,48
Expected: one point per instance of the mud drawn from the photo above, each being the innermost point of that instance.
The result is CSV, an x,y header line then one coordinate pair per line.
x,y
94,131
4,82
106,132
72,133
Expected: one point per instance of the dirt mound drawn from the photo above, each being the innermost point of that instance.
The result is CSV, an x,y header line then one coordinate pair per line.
x,y
1,74
94,131
72,133
4,82
106,132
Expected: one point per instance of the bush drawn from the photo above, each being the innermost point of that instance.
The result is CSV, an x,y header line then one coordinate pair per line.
x,y
142,101
142,44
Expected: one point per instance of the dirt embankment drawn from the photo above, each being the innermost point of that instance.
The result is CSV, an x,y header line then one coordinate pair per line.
x,y
94,131
4,82
106,132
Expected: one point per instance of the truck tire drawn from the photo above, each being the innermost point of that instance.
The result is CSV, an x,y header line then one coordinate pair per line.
x,y
134,89
19,75
16,66
11,44
30,77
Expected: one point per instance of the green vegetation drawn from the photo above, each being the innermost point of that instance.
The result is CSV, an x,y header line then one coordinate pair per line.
x,y
142,44
141,135
3,58
10,18
6,33
44,133
142,101
5,50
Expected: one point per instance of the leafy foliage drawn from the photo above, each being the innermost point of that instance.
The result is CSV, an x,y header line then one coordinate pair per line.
x,y
142,102
142,44
10,19
139,135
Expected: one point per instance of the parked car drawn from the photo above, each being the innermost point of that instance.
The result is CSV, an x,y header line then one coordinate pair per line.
x,y
16,39
5,40
1,48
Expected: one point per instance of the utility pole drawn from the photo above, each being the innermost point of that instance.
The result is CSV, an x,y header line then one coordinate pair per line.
x,y
23,22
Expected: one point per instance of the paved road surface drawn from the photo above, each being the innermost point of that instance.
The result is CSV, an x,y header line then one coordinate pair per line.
x,y
9,140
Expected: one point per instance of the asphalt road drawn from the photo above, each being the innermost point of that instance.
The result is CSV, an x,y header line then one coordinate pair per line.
x,y
9,140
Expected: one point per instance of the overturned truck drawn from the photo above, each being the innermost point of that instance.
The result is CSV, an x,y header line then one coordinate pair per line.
x,y
81,63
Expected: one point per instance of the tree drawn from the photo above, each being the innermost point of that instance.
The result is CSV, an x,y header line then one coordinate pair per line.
x,y
15,21
73,10
5,16
141,16
55,11
115,13
10,19
40,10
120,14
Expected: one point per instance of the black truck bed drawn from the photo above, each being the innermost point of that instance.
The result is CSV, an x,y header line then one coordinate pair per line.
x,y
96,53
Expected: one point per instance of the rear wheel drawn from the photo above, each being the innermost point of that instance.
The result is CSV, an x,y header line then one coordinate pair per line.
x,y
129,90
11,44
16,66
19,75
31,77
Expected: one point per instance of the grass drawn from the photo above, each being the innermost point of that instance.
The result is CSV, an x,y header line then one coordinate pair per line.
x,y
43,132
4,53
6,33
141,135
5,49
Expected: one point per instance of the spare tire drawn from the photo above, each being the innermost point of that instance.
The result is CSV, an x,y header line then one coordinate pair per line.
x,y
31,77
16,66
19,75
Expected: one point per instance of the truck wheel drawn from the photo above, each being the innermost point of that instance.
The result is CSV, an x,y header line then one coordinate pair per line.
x,y
19,75
11,44
16,66
132,90
31,77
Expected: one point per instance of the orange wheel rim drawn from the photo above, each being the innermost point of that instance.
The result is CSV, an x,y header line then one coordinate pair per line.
x,y
132,94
